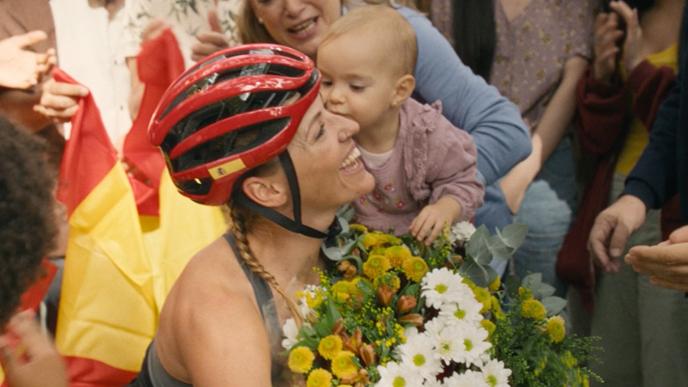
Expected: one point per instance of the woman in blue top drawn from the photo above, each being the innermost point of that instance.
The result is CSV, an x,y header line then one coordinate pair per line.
x,y
468,102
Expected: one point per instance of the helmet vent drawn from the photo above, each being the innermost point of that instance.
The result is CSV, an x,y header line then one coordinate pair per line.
x,y
234,142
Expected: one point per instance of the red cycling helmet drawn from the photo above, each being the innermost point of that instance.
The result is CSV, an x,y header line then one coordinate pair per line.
x,y
258,91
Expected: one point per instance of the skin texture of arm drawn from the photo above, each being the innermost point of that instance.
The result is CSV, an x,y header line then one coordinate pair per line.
x,y
495,124
547,135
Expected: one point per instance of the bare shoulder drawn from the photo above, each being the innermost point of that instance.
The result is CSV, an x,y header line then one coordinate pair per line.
x,y
210,326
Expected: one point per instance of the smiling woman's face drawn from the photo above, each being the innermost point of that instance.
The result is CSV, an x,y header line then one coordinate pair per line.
x,y
300,24
327,161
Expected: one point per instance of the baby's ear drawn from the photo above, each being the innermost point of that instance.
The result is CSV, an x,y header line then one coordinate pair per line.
x,y
404,88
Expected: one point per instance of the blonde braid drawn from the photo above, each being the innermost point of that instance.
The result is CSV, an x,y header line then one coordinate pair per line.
x,y
239,231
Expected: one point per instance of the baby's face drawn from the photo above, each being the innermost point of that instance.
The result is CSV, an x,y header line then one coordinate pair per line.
x,y
356,82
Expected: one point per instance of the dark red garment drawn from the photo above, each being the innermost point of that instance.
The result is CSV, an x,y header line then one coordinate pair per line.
x,y
602,123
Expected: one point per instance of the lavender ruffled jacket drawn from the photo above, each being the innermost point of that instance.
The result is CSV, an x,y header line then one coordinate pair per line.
x,y
431,158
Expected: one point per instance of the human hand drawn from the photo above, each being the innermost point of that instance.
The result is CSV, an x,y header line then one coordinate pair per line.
x,y
33,361
433,218
605,46
634,34
611,231
60,100
210,41
20,68
665,263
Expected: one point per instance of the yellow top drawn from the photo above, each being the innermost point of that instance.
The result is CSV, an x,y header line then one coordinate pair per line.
x,y
638,135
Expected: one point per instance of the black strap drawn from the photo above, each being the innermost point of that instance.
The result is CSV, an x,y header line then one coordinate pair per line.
x,y
293,225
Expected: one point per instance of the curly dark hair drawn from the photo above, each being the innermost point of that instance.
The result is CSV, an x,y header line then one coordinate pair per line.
x,y
27,219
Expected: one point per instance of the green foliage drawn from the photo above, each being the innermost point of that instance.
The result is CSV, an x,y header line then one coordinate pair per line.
x,y
525,347
529,336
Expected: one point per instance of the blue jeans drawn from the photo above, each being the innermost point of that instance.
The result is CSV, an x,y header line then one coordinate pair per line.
x,y
547,210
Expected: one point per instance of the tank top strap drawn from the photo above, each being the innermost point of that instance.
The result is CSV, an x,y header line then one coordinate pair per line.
x,y
261,289
265,300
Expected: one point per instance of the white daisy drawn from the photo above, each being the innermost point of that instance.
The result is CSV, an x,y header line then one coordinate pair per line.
x,y
395,375
312,292
467,379
290,331
495,374
442,286
418,355
473,342
464,310
447,347
433,383
461,232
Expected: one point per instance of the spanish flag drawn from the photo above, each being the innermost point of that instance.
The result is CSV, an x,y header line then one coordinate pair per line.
x,y
130,235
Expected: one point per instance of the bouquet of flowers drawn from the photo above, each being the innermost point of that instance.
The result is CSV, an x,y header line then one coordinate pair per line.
x,y
394,312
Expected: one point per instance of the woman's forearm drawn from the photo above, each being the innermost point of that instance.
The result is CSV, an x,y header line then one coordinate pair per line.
x,y
560,110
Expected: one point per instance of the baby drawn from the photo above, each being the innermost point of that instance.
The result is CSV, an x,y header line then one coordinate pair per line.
x,y
424,167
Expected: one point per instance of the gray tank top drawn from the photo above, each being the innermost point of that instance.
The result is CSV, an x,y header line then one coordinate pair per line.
x,y
159,377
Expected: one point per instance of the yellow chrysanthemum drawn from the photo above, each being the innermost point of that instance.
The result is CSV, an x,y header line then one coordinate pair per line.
x,y
496,307
524,293
330,346
397,255
391,239
300,360
483,296
415,268
341,291
375,266
380,250
489,326
534,309
319,378
358,227
344,366
372,239
314,299
556,329
494,285
389,279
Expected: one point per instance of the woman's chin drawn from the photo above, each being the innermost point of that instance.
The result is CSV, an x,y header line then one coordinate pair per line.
x,y
359,183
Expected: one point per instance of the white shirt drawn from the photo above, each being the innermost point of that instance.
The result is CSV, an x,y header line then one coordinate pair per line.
x,y
185,18
91,48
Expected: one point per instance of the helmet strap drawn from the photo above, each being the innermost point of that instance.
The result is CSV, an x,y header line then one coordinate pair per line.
x,y
293,225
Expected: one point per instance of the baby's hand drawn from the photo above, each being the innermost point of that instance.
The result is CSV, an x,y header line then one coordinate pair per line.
x,y
433,218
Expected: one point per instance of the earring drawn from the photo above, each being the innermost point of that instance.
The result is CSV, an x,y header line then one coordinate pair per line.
x,y
260,20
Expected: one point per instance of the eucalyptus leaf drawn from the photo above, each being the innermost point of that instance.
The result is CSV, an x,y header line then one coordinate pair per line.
x,y
554,305
544,290
475,272
513,235
477,241
532,281
499,249
491,274
346,213
337,253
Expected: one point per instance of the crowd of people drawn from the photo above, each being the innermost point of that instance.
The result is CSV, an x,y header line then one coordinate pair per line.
x,y
567,116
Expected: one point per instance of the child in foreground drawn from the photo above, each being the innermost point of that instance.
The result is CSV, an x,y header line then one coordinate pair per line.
x,y
424,167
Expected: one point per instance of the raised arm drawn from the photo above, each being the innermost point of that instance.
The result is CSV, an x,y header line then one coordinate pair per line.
x,y
501,137
547,135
